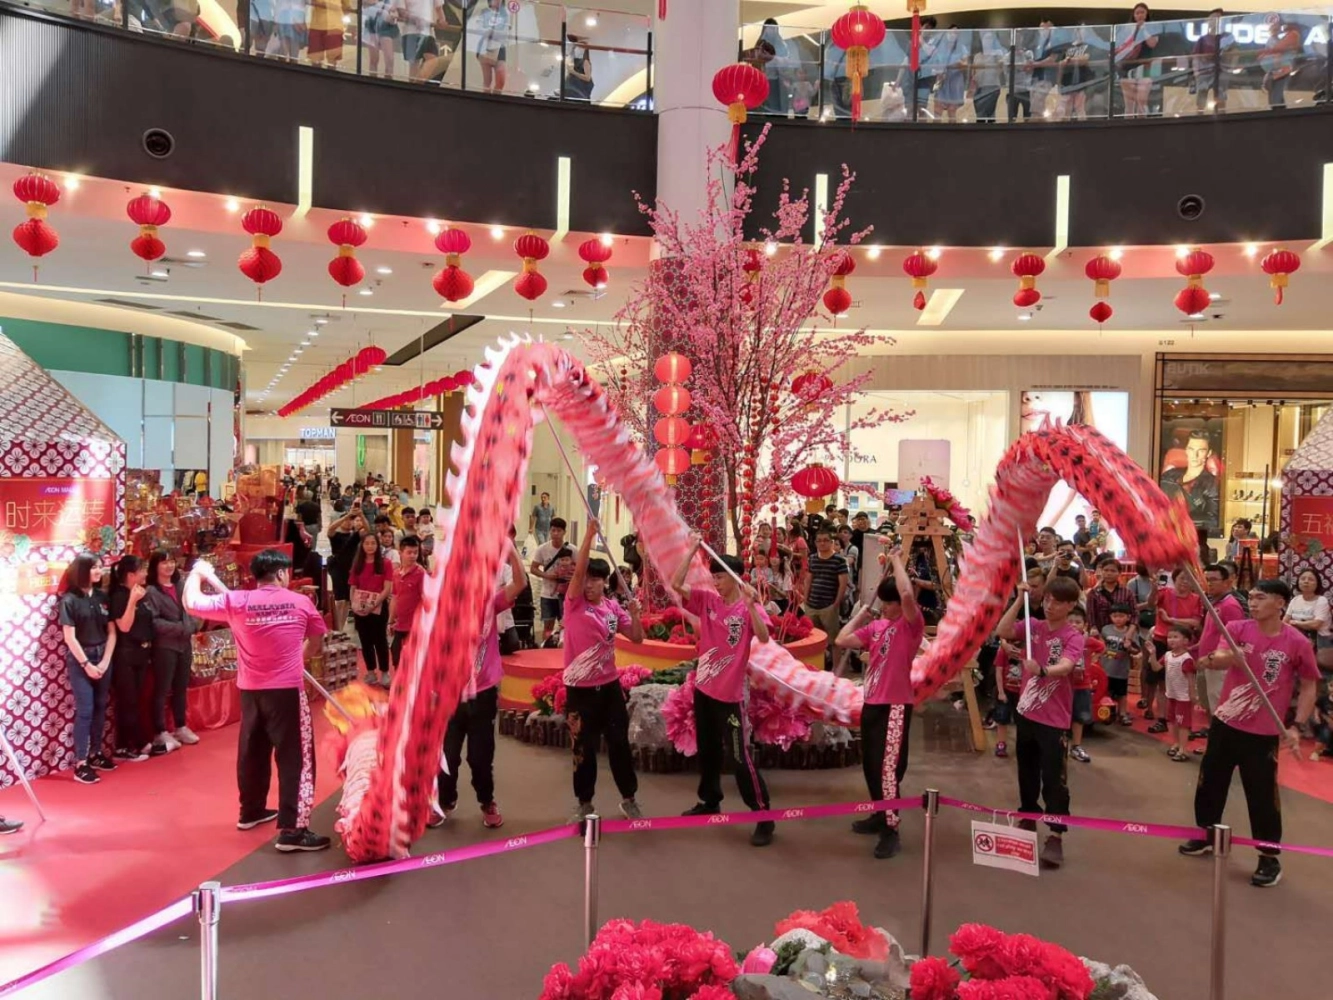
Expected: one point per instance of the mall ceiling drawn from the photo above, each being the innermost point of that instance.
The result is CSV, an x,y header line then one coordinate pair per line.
x,y
199,281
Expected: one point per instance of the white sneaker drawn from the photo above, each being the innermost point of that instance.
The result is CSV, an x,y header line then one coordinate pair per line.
x,y
165,739
186,735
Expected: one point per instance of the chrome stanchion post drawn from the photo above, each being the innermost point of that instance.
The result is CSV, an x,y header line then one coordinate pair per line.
x,y
207,904
592,838
930,802
1221,838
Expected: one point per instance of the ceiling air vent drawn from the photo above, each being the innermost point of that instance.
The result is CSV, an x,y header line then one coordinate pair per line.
x,y
200,317
126,304
238,327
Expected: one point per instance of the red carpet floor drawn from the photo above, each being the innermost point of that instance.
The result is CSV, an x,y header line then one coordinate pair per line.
x,y
117,851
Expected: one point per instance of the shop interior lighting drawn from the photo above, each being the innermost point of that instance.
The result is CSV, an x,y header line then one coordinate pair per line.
x,y
383,270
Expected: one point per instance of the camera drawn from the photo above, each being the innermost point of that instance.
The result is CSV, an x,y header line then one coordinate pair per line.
x,y
1190,207
158,143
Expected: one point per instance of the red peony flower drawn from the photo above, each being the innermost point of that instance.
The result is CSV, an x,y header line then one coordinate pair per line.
x,y
636,991
976,945
1022,955
933,979
713,992
1013,988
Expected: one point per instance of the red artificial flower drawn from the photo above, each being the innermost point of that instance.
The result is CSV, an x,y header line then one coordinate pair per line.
x,y
975,945
558,984
1022,955
1013,988
713,992
637,991
840,925
934,979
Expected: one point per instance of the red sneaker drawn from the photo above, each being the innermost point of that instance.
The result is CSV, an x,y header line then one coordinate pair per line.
x,y
490,816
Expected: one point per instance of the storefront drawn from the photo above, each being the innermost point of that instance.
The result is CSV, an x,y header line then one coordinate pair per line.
x,y
1225,427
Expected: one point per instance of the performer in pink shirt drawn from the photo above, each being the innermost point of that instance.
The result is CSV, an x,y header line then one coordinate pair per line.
x,y
596,704
728,619
892,642
275,630
1244,734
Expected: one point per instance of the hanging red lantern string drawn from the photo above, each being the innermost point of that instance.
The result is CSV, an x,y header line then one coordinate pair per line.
x,y
1102,270
856,33
837,300
815,482
1278,264
36,237
672,400
914,56
359,364
444,386
1193,299
742,88
259,263
753,266
453,283
1026,267
595,253
919,267
346,234
148,213
702,442
532,248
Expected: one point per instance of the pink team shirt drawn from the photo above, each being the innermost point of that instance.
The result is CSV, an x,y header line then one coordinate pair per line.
x,y
891,644
590,640
270,626
1049,700
1229,610
487,670
725,631
1277,661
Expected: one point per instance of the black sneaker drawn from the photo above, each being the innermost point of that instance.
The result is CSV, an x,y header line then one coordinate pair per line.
x,y
301,840
126,755
267,816
1196,848
158,749
875,824
1268,874
102,762
763,834
1157,727
888,845
85,775
700,809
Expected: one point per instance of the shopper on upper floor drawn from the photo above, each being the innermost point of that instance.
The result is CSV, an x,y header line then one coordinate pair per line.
x,y
1278,59
90,642
173,653
1134,44
133,657
492,29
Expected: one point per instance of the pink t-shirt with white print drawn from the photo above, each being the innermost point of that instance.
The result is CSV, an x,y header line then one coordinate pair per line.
x,y
1277,661
590,640
725,632
1049,700
488,670
890,644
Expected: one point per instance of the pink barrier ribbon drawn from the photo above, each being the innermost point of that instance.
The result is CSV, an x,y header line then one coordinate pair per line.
x,y
1322,852
140,928
760,816
1087,822
263,890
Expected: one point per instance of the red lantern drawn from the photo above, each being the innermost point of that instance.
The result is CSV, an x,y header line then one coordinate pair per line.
x,y
672,462
259,263
1193,300
857,32
261,221
1026,297
345,269
672,400
531,285
594,253
453,283
368,358
742,88
673,367
1102,270
815,481
1278,264
837,301
810,386
1100,312
148,213
1194,265
595,275
36,237
753,264
1026,267
844,264
448,384
702,442
465,378
453,242
671,432
919,267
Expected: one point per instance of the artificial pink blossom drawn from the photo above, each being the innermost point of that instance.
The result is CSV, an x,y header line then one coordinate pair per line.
x,y
760,961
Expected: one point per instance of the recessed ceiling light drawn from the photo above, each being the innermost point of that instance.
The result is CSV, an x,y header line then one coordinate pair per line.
x,y
1024,317
566,336
1214,295
367,291
497,232
160,272
383,270
1196,316
196,254
590,20
433,227
321,320
313,333
1116,253
996,253
233,205
770,248
934,253
299,351
366,220
71,183
558,304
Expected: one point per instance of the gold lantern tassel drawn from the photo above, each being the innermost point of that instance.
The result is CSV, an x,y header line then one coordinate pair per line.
x,y
858,66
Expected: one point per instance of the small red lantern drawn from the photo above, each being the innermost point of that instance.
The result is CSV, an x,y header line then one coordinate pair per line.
x,y
368,358
702,442
448,384
672,462
1278,264
1193,300
814,483
857,32
36,237
919,267
671,432
259,263
1026,268
345,269
531,285
672,400
742,88
465,378
810,386
1100,312
532,248
837,301
673,367
594,253
453,283
1025,298
148,213
453,243
1194,265
1102,270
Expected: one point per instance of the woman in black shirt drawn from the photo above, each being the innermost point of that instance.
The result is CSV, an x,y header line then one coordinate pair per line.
x,y
134,653
90,640
173,652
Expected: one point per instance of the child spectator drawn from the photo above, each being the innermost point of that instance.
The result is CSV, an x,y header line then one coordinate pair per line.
x,y
1179,683
1122,644
1082,713
406,597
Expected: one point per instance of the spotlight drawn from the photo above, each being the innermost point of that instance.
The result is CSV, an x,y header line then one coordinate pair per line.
x,y
1116,253
770,248
497,232
934,253
996,253
383,270
873,251
606,239
433,227
71,183
196,254
366,220
233,205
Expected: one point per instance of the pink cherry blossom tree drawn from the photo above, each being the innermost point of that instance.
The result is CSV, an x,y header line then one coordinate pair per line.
x,y
748,314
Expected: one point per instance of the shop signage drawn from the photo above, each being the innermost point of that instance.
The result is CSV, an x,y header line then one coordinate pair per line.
x,y
58,510
1312,518
431,420
318,433
1252,34
1250,377
1008,847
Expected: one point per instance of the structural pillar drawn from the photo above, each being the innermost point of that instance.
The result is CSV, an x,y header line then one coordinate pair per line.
x,y
451,406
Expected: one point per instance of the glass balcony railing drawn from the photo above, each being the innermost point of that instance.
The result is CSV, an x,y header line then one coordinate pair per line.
x,y
541,51
1223,65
